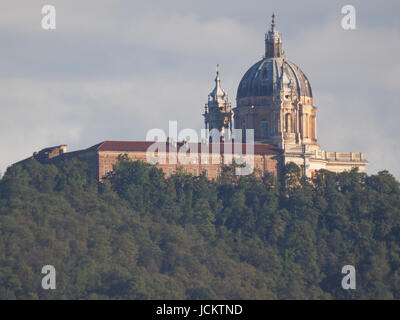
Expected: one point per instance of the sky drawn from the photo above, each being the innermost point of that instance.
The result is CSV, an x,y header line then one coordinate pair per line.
x,y
113,70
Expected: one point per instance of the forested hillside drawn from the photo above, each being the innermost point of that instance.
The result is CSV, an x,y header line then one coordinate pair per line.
x,y
140,235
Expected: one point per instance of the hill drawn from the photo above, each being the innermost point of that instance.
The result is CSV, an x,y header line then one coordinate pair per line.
x,y
140,235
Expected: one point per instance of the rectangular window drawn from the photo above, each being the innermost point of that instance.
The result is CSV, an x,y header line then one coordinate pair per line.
x,y
206,172
195,172
169,172
105,170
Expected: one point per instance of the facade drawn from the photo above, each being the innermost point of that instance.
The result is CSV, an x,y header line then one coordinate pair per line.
x,y
205,158
274,98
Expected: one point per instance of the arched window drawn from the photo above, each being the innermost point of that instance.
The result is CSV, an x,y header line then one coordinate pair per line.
x,y
244,126
288,122
312,125
307,133
264,128
277,122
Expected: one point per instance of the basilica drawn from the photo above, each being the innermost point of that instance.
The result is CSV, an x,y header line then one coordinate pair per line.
x,y
274,99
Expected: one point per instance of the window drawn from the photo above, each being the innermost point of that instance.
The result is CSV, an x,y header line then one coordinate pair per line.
x,y
264,128
277,122
206,172
288,122
105,170
244,130
312,125
195,172
169,172
307,126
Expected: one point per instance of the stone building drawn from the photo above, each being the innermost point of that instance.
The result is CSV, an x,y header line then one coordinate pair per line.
x,y
274,98
205,158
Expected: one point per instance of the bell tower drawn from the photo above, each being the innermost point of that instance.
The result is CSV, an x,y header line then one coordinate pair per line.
x,y
218,109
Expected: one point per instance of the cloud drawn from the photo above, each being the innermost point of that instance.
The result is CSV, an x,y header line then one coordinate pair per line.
x,y
356,59
354,79
80,113
188,34
115,69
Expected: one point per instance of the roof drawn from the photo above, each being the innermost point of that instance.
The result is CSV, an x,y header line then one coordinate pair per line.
x,y
271,74
142,146
218,94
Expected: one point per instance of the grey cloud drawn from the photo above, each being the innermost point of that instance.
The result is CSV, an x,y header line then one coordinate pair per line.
x,y
114,69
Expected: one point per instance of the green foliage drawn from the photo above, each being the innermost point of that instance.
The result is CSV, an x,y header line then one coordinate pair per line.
x,y
140,235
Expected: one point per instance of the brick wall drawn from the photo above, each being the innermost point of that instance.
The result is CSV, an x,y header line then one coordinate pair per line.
x,y
107,159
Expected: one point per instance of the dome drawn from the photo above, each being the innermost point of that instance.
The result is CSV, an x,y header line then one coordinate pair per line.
x,y
218,94
271,74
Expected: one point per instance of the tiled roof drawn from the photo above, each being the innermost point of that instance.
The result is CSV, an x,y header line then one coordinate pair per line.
x,y
142,146
124,145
